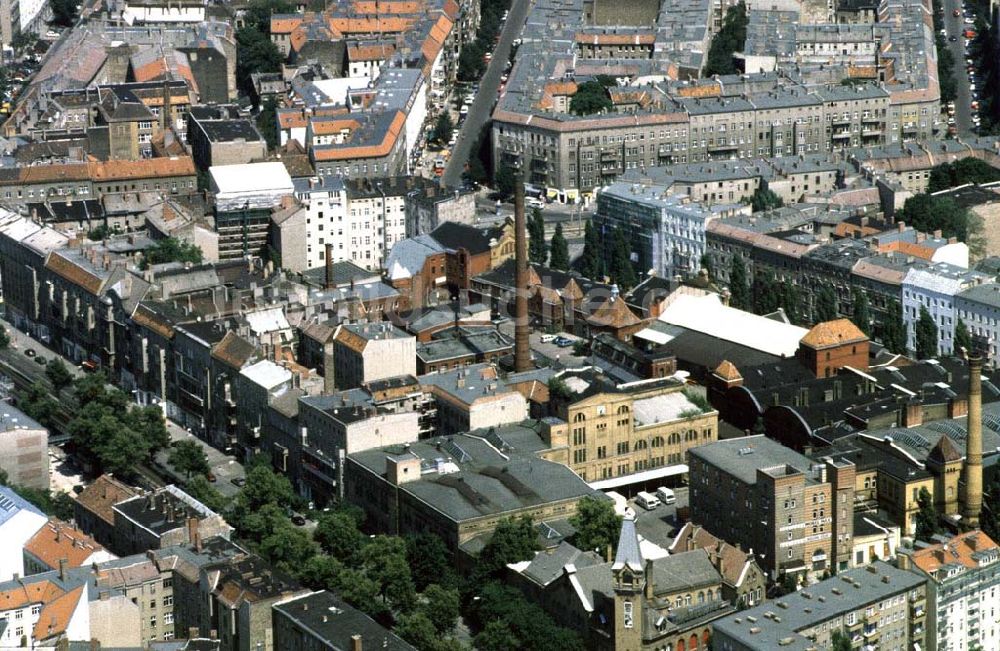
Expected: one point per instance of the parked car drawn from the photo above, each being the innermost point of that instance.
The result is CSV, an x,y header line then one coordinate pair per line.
x,y
666,495
647,501
298,520
41,361
563,342
30,352
239,481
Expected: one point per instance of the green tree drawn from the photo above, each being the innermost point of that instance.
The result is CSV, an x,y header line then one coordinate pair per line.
x,y
254,53
590,97
538,249
361,592
417,629
504,180
200,489
443,128
267,122
739,288
597,525
926,334
590,261
620,265
894,329
430,561
4,338
384,562
37,402
930,213
726,42
990,518
497,636
963,340
258,13
441,607
789,300
63,12
339,536
287,547
861,311
927,523
966,170
559,250
514,539
58,374
840,642
264,487
188,457
765,199
826,304
170,249
766,294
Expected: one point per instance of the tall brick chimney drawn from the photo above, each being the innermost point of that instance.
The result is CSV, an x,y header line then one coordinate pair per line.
x,y
972,500
522,347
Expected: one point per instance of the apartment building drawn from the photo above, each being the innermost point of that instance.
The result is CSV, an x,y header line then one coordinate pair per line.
x,y
24,448
366,352
322,621
877,606
665,230
933,288
797,515
978,307
962,591
162,518
616,434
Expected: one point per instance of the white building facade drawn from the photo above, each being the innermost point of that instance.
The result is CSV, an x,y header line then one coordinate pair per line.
x,y
19,522
979,309
934,288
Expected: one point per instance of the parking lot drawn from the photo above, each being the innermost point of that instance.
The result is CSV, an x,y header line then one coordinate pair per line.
x,y
660,525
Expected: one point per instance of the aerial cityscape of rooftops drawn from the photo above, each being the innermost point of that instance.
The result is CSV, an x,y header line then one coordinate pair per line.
x,y
500,325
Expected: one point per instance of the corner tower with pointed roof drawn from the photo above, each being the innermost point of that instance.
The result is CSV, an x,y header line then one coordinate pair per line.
x,y
629,581
945,462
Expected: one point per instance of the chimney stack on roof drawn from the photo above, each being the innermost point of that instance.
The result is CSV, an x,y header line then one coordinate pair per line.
x,y
522,346
972,503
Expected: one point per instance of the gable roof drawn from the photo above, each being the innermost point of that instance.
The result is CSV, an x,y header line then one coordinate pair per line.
x,y
614,313
833,333
57,540
57,613
102,495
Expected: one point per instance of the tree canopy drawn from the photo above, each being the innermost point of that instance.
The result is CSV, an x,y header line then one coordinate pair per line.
x,y
861,311
929,213
559,250
538,249
170,249
739,286
894,329
189,458
966,170
590,97
726,42
926,334
443,128
826,304
927,517
765,199
963,339
590,260
597,525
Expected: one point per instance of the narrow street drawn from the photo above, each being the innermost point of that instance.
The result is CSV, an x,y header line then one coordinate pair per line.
x,y
955,27
482,107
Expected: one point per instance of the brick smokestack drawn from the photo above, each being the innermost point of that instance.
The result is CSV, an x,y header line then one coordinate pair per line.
x,y
522,347
972,502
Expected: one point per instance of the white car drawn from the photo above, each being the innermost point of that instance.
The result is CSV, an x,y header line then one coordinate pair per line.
x,y
464,110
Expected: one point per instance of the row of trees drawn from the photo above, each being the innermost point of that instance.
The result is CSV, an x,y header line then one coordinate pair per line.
x,y
554,253
608,254
471,64
764,294
966,170
945,59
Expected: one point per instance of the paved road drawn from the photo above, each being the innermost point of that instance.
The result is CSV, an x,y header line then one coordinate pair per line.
x,y
482,108
225,468
955,27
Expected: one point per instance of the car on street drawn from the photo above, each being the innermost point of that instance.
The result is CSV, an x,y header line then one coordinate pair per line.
x,y
956,13
952,39
563,342
41,361
239,482
30,352
298,520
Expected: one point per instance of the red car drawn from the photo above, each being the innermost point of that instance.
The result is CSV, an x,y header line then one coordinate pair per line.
x,y
956,13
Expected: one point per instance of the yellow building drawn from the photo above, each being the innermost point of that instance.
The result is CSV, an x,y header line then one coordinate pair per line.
x,y
617,434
